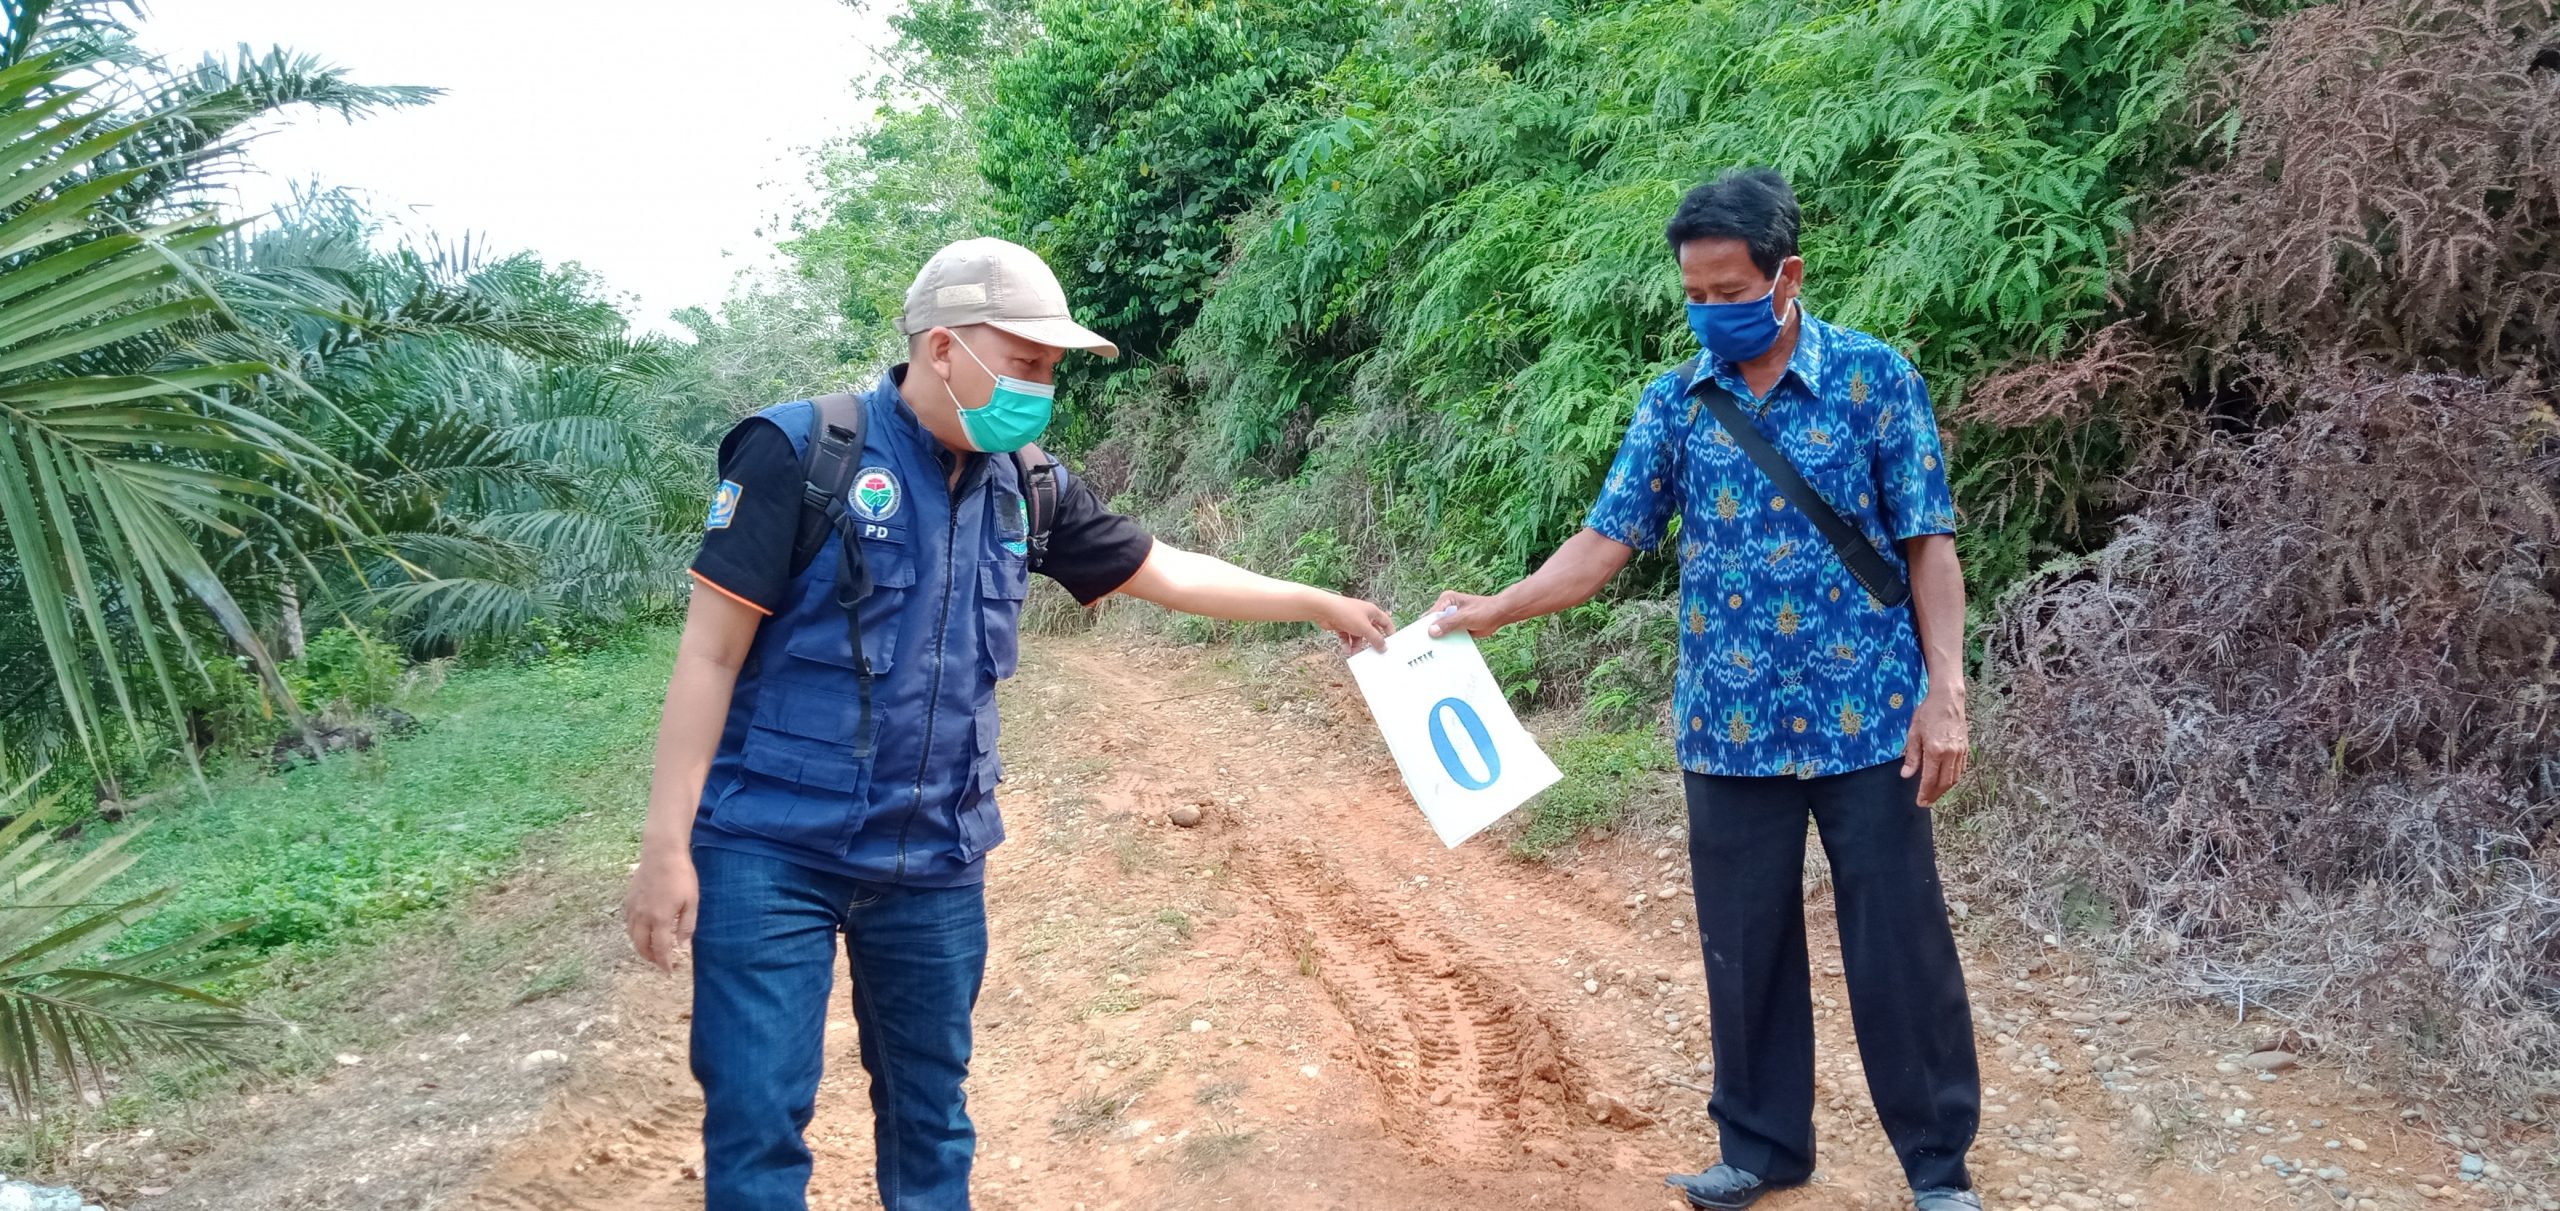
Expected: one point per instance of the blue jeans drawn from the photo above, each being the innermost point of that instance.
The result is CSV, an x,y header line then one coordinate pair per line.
x,y
763,970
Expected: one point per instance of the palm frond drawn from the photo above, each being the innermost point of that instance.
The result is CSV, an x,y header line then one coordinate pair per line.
x,y
69,1006
195,115
218,94
461,607
72,29
113,471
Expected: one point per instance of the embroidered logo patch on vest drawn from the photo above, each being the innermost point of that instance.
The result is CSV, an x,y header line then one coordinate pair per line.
x,y
724,506
1022,545
875,495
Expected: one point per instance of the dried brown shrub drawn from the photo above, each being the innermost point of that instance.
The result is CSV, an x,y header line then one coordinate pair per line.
x,y
2297,728
2392,185
2075,389
2299,724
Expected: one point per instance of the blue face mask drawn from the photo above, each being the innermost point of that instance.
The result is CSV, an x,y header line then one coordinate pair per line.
x,y
1739,332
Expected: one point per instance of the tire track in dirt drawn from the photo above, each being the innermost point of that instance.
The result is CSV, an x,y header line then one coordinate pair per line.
x,y
1466,1070
627,1148
1463,1065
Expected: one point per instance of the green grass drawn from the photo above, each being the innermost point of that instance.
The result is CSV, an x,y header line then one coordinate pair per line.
x,y
338,849
553,979
526,785
1096,1111
1607,777
2085,911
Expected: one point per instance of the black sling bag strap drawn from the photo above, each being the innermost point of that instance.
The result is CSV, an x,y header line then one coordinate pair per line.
x,y
828,464
1853,548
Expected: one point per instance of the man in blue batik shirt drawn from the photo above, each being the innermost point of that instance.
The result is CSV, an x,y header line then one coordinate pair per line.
x,y
1800,695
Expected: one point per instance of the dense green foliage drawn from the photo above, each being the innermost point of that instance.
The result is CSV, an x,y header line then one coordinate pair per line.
x,y
506,459
1477,230
211,431
1397,270
126,455
895,193
1123,140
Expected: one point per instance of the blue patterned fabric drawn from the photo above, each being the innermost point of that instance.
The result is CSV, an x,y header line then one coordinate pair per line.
x,y
1787,665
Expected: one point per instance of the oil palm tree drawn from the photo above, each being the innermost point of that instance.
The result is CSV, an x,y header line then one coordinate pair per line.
x,y
196,418
564,495
507,453
110,439
128,448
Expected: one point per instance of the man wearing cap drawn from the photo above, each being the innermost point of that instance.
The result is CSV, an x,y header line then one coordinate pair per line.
x,y
807,790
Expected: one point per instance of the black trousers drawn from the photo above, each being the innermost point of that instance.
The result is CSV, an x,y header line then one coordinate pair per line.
x,y
1906,987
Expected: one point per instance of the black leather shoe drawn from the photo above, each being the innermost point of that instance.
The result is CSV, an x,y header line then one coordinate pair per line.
x,y
1723,1188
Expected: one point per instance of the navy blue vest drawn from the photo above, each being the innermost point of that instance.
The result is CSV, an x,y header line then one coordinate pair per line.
x,y
914,801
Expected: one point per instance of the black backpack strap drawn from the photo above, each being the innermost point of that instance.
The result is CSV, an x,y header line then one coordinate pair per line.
x,y
1852,546
828,463
1039,474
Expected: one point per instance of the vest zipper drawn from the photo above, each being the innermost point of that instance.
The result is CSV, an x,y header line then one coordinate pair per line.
x,y
933,703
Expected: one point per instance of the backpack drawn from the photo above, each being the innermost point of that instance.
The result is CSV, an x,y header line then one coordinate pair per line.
x,y
828,462
833,455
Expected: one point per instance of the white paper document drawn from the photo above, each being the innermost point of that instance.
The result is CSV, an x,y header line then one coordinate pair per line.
x,y
1462,752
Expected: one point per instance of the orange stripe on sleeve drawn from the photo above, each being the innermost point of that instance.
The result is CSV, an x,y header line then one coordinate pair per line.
x,y
715,587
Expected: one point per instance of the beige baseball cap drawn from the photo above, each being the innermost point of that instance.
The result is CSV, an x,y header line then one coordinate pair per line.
x,y
1000,284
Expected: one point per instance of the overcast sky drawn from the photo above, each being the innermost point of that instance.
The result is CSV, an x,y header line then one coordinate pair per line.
x,y
649,140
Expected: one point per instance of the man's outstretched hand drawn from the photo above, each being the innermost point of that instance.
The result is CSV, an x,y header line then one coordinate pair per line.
x,y
1477,616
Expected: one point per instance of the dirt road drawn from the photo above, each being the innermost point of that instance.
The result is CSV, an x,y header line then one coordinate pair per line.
x,y
1305,1003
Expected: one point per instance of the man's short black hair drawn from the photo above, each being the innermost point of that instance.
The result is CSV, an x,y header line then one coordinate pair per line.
x,y
1753,205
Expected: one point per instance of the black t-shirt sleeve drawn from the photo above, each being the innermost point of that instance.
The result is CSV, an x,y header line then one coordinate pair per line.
x,y
754,516
1092,550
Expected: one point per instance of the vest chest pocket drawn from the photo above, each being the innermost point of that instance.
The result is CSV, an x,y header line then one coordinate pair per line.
x,y
1002,585
1009,513
826,640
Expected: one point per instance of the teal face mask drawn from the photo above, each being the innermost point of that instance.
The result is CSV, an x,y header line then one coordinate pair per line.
x,y
1014,416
